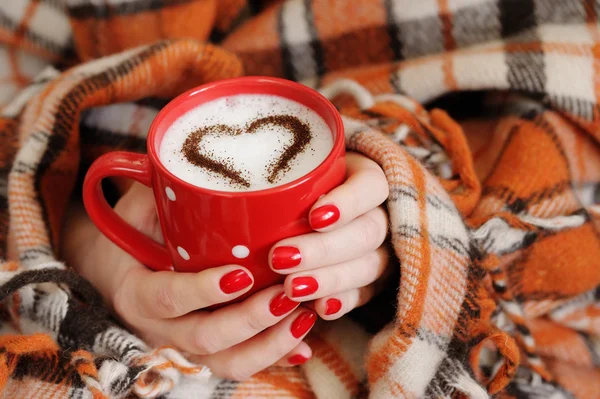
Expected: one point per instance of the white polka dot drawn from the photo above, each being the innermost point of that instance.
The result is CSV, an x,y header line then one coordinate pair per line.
x,y
170,194
183,253
240,251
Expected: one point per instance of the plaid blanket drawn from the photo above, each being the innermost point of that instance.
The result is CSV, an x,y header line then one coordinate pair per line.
x,y
484,115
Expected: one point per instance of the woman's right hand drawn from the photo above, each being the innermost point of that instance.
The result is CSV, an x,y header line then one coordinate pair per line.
x,y
165,308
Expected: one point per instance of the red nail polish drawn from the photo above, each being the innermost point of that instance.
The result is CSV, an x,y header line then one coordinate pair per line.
x,y
324,216
235,281
332,306
281,305
285,258
297,360
304,286
303,323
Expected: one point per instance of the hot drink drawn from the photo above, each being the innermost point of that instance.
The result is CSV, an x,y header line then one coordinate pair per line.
x,y
244,135
245,142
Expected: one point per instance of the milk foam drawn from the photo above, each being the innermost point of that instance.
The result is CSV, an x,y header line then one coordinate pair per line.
x,y
250,154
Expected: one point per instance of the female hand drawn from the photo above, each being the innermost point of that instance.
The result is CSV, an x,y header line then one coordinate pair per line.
x,y
166,308
342,264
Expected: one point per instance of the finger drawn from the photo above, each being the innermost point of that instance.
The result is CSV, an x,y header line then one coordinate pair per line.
x,y
246,359
335,306
298,356
159,295
365,188
210,332
137,208
314,250
344,276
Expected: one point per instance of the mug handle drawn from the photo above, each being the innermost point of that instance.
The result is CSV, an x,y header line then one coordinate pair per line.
x,y
136,167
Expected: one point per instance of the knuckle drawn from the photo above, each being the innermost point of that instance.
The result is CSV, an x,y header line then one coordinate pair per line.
x,y
383,188
373,231
373,261
204,343
337,280
166,301
357,205
149,224
121,299
255,323
120,302
373,258
322,248
282,347
205,294
378,182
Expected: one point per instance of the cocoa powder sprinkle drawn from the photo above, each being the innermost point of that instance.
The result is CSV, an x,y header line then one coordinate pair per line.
x,y
224,168
301,137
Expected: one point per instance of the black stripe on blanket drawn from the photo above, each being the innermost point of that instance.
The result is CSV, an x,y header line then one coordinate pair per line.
x,y
42,41
526,69
393,30
99,11
302,58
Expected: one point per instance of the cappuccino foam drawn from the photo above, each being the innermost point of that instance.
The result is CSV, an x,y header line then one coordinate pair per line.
x,y
245,142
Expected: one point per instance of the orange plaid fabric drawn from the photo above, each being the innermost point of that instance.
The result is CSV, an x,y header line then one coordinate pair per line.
x,y
483,114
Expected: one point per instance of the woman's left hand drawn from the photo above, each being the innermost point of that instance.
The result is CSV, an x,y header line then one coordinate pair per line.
x,y
341,263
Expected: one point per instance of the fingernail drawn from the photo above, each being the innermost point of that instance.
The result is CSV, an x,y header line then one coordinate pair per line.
x,y
281,305
285,258
297,360
303,323
332,306
235,281
304,286
324,216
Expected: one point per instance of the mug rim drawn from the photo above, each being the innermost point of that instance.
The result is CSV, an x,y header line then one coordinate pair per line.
x,y
336,150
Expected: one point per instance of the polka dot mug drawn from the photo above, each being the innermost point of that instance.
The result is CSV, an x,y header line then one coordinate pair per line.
x,y
204,228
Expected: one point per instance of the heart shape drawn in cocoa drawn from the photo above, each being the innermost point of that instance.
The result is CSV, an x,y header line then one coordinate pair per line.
x,y
301,136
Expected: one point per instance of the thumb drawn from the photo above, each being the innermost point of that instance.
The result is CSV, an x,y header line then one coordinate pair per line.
x,y
137,207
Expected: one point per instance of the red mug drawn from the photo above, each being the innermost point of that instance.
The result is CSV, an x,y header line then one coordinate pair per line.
x,y
205,228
